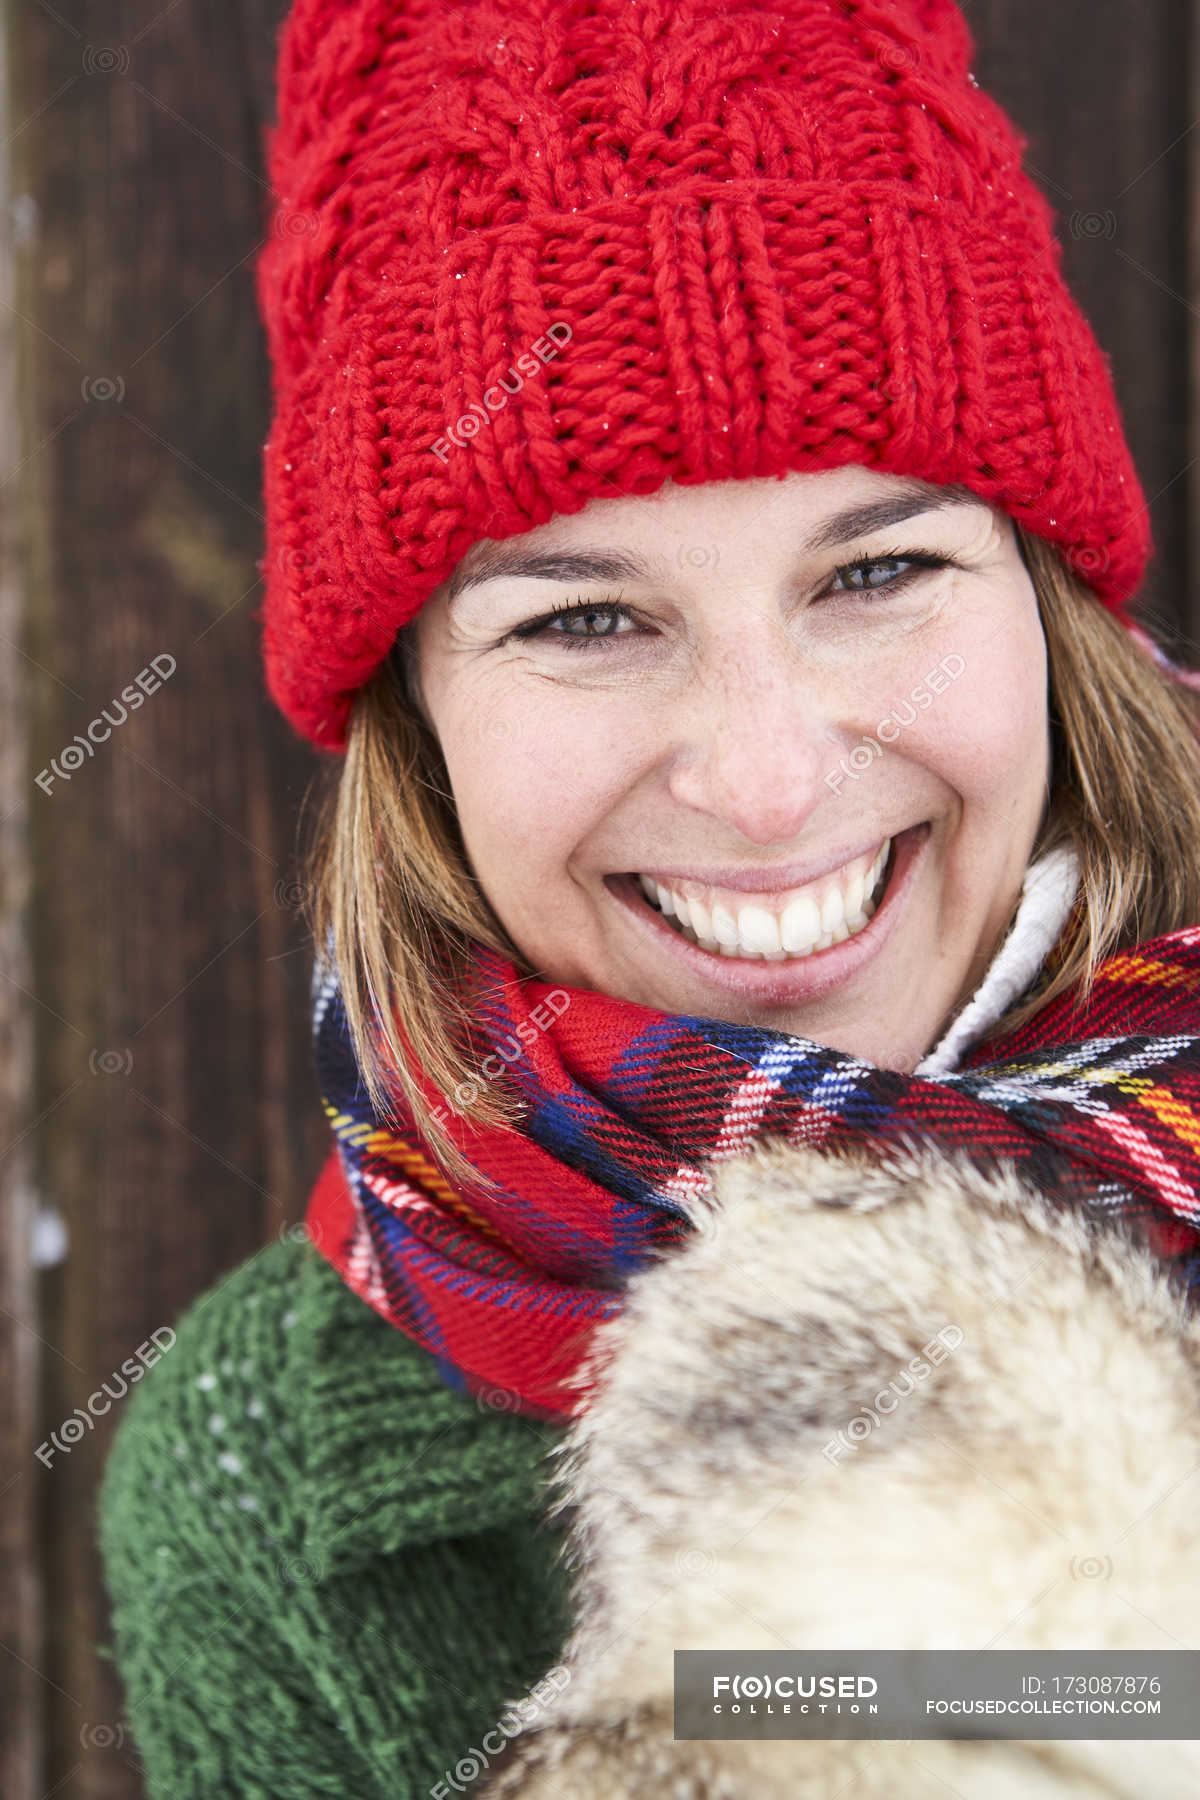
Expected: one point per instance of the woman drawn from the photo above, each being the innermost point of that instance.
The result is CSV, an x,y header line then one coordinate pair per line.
x,y
699,521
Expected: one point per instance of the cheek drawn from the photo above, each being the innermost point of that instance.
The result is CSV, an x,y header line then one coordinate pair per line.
x,y
987,731
530,780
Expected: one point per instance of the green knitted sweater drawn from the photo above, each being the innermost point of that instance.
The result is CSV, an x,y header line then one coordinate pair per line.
x,y
329,1573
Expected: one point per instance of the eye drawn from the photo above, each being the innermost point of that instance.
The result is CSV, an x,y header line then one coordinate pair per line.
x,y
918,561
598,619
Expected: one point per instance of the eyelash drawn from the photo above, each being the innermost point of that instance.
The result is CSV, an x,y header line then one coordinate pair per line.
x,y
922,560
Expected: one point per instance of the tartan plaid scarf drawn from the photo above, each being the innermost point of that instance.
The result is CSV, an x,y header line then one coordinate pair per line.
x,y
1097,1104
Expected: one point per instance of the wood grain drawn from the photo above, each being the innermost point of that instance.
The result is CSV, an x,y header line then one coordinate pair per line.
x,y
155,1082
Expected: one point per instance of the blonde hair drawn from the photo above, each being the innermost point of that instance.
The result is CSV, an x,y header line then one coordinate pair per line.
x,y
389,893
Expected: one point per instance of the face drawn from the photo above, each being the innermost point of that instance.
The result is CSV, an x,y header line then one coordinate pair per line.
x,y
782,763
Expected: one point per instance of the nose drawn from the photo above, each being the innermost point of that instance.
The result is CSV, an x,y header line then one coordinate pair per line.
x,y
750,739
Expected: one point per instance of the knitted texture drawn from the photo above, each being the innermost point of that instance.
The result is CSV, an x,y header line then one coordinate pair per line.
x,y
329,1574
1096,1103
527,256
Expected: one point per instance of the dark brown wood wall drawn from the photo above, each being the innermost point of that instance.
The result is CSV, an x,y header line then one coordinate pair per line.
x,y
156,1095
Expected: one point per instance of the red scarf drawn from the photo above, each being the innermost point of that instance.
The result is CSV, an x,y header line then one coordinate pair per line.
x,y
624,1104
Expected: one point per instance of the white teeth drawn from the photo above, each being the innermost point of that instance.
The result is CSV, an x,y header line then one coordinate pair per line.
x,y
758,929
800,926
812,921
701,919
725,927
833,913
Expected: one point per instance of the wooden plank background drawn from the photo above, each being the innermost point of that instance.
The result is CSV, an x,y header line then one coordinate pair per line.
x,y
157,1104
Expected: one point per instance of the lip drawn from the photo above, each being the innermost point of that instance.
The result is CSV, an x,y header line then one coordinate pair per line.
x,y
783,982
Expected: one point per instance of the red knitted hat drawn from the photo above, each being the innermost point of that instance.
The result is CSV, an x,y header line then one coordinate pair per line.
x,y
525,256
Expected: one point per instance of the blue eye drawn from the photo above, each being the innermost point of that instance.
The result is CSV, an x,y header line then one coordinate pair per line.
x,y
588,612
917,562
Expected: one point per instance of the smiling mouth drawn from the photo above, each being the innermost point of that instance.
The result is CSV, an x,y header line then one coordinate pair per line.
x,y
813,918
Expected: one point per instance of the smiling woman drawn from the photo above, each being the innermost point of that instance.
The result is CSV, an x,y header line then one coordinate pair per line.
x,y
692,746
755,894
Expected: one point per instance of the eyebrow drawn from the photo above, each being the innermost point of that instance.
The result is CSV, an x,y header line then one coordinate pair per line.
x,y
510,561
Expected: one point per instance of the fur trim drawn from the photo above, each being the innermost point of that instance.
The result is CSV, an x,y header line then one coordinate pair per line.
x,y
1036,1489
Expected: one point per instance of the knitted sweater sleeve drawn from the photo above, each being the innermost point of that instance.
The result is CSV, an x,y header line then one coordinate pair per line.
x,y
260,1660
198,1560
